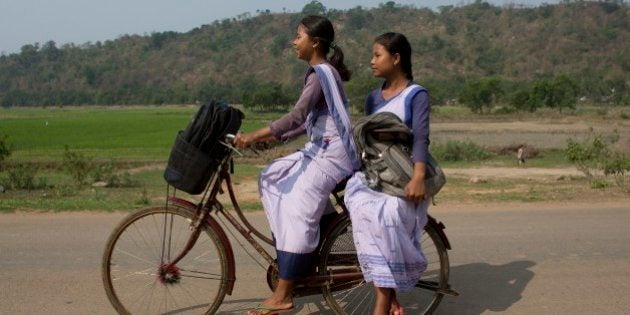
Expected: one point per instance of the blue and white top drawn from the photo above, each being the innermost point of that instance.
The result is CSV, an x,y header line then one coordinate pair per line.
x,y
321,112
412,106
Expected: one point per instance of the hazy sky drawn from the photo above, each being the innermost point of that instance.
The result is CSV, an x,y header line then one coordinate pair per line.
x,y
78,21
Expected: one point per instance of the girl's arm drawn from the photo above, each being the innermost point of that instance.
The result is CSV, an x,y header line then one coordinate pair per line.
x,y
290,124
420,127
312,94
415,189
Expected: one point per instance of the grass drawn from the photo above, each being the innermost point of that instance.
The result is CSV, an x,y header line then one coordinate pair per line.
x,y
139,138
127,133
132,137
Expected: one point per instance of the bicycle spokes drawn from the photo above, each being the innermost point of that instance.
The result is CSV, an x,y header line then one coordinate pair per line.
x,y
140,279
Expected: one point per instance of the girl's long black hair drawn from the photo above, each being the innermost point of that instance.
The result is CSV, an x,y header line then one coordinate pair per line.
x,y
320,28
397,43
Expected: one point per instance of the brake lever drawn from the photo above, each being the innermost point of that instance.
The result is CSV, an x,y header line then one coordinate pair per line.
x,y
228,143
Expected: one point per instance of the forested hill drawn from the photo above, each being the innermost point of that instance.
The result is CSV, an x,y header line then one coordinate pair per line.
x,y
250,57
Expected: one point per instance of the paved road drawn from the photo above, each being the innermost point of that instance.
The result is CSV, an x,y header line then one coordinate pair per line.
x,y
528,260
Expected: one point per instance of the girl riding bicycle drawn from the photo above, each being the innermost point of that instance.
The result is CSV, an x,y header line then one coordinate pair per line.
x,y
387,229
295,189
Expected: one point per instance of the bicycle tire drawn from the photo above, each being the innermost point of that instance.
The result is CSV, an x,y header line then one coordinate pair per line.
x,y
358,297
132,259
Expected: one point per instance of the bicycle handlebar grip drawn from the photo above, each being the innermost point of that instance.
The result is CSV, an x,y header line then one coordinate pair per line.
x,y
230,137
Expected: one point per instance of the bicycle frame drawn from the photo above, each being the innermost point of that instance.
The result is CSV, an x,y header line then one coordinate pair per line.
x,y
305,286
244,227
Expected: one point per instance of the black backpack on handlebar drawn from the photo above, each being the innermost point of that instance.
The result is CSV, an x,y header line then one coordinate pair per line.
x,y
197,150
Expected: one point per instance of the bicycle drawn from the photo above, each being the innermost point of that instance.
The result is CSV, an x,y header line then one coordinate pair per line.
x,y
156,261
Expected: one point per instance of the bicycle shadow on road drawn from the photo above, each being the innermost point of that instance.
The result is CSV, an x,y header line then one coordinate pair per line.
x,y
484,287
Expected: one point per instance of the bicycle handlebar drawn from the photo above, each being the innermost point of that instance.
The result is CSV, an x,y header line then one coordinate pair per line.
x,y
229,140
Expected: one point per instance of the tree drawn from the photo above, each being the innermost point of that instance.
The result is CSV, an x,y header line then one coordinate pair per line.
x,y
357,90
480,94
539,95
389,5
50,50
356,18
266,97
280,42
522,101
559,92
314,8
28,55
563,93
619,91
462,41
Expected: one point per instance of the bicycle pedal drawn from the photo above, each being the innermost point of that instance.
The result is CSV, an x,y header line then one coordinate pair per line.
x,y
449,291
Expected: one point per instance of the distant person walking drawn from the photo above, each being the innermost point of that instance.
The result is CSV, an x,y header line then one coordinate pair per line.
x,y
520,155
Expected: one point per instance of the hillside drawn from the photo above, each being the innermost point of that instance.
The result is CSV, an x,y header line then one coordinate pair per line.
x,y
226,59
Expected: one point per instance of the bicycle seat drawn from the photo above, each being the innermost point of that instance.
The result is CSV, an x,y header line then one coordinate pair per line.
x,y
341,185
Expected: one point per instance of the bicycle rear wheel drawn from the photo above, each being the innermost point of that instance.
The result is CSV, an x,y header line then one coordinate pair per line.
x,y
358,297
133,272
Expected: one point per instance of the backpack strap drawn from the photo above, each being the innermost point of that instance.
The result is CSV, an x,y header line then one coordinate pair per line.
x,y
338,110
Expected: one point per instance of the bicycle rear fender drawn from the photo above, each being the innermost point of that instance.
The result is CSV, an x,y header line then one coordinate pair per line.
x,y
439,227
231,272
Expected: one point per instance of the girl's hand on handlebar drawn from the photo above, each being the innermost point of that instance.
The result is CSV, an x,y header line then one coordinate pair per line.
x,y
244,140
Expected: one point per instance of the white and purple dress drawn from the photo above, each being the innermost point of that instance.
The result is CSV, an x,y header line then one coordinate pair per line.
x,y
387,229
295,190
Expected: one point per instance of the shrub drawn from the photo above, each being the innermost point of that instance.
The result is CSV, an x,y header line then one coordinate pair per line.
x,y
144,198
618,165
104,171
594,154
108,173
5,150
587,155
123,180
24,176
599,184
459,151
77,165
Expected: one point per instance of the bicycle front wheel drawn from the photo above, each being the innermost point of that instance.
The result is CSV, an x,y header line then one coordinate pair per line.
x,y
357,297
133,267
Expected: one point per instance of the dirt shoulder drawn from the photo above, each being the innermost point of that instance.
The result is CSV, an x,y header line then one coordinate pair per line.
x,y
513,172
441,206
455,206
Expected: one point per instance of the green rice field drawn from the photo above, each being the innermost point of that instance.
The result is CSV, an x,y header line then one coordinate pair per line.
x,y
137,133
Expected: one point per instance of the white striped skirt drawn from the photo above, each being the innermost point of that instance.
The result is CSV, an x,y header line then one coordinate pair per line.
x,y
387,232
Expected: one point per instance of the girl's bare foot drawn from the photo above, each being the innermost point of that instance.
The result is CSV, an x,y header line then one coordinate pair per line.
x,y
394,307
272,306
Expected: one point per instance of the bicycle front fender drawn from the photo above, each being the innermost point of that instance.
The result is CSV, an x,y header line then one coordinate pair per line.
x,y
223,238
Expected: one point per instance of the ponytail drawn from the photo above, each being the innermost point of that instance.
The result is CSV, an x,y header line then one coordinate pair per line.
x,y
336,60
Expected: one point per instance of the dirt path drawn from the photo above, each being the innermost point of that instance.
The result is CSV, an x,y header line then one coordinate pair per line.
x,y
247,189
513,172
146,168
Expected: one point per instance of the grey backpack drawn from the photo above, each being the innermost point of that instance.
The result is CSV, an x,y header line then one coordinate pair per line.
x,y
384,143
